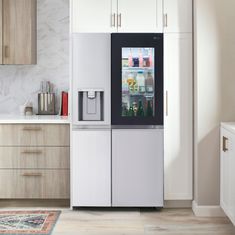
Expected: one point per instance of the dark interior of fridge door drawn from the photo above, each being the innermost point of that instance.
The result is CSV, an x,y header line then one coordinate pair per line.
x,y
137,79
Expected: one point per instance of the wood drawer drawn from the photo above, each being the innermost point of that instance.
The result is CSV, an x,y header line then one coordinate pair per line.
x,y
34,135
34,157
34,184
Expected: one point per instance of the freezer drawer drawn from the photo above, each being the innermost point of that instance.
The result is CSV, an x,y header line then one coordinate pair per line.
x,y
137,168
91,159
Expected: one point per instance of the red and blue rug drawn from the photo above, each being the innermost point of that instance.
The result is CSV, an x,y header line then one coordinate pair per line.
x,y
28,222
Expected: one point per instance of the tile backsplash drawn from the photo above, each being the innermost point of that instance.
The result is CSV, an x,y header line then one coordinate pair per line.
x,y
18,83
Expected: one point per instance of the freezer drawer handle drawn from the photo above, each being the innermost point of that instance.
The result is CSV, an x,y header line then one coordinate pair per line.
x,y
225,141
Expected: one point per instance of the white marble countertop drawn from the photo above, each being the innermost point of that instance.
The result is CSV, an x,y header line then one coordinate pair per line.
x,y
40,119
229,126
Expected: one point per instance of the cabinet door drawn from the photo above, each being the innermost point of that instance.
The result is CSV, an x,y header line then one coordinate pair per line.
x,y
227,175
19,31
140,16
225,141
0,31
137,168
91,161
178,16
232,178
178,116
94,16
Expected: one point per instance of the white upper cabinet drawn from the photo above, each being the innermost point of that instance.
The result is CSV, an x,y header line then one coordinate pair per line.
x,y
178,120
140,16
94,16
117,16
178,16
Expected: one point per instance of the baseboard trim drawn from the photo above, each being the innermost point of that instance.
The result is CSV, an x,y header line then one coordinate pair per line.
x,y
177,204
207,211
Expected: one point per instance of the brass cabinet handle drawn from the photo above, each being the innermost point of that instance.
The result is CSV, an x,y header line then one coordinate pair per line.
x,y
6,52
165,20
225,140
38,152
32,174
32,129
167,108
119,20
113,20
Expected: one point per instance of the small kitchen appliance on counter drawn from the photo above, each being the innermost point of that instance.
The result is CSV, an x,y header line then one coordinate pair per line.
x,y
46,100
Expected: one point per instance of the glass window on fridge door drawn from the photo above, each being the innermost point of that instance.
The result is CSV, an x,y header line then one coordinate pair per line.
x,y
138,88
137,79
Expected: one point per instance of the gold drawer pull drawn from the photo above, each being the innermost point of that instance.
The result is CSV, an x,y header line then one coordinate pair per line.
x,y
225,148
32,152
32,174
32,129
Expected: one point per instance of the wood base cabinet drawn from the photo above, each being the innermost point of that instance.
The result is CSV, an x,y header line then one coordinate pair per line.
x,y
34,184
34,161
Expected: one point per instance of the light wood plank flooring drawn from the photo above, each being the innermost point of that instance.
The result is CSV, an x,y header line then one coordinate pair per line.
x,y
135,222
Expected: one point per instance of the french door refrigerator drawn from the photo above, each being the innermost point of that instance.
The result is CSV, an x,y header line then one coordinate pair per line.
x,y
117,134
137,119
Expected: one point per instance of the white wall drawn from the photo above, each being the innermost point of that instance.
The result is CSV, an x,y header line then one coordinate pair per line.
x,y
214,90
21,83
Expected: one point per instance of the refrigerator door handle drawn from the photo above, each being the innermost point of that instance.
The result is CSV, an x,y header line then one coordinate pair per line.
x,y
167,108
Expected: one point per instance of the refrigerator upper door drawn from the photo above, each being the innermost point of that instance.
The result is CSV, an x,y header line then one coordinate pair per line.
x,y
137,79
91,71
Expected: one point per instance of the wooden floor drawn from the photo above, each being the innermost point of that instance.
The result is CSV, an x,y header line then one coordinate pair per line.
x,y
135,222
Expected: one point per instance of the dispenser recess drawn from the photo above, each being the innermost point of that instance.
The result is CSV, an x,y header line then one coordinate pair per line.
x,y
91,105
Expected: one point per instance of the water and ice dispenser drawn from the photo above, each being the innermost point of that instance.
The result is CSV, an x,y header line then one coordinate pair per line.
x,y
91,105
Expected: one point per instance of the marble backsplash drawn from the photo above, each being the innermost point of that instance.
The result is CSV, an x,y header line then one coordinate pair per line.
x,y
19,84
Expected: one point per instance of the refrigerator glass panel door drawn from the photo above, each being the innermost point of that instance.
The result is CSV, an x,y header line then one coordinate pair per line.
x,y
138,82
137,79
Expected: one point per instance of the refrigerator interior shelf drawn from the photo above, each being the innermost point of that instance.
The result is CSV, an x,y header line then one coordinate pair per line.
x,y
137,68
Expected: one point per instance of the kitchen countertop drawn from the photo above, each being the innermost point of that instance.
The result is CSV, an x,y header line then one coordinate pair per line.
x,y
230,126
35,119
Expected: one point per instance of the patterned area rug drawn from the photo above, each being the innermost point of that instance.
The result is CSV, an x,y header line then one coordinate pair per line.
x,y
28,222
